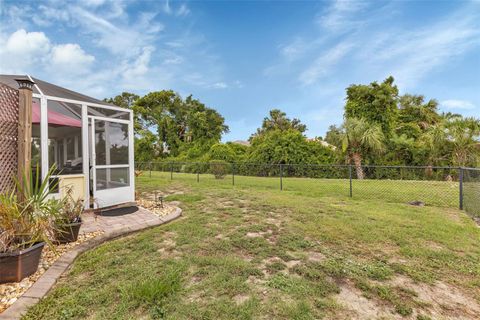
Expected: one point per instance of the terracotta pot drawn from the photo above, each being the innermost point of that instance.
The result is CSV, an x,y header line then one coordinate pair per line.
x,y
14,266
68,232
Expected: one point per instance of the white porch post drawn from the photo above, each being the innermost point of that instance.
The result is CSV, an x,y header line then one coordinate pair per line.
x,y
65,155
108,171
131,157
75,147
85,156
44,136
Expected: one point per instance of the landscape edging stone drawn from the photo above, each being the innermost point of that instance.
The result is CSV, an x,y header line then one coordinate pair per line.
x,y
47,280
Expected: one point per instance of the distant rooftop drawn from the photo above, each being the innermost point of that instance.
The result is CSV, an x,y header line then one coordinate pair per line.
x,y
242,142
49,89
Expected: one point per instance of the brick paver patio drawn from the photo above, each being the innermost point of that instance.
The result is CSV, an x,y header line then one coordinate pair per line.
x,y
105,222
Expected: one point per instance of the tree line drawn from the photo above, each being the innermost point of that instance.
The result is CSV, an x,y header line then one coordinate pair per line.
x,y
380,127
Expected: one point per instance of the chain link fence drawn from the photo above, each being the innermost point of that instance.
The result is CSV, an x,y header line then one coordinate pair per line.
x,y
434,186
471,191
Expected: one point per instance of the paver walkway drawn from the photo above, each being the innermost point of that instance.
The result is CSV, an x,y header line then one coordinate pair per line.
x,y
114,223
118,219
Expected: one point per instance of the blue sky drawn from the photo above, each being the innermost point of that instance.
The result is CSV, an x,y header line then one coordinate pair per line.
x,y
245,58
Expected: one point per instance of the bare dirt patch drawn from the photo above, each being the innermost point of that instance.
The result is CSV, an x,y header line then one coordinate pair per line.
x,y
240,298
442,300
314,256
258,234
274,221
357,307
434,246
292,263
168,245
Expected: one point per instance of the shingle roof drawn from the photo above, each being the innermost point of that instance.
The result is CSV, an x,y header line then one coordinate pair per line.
x,y
50,89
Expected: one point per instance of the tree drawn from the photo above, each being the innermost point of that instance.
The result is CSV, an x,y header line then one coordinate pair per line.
x,y
278,121
127,100
334,136
230,152
359,138
180,124
146,143
415,116
288,147
124,100
376,103
463,135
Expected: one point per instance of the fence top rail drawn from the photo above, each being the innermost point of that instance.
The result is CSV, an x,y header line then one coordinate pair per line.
x,y
309,165
474,169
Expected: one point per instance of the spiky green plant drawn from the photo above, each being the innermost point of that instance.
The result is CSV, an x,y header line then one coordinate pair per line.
x,y
30,218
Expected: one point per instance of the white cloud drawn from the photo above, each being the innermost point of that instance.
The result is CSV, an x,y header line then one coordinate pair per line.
x,y
324,63
139,66
173,60
23,42
183,11
294,50
107,35
411,55
21,50
94,3
166,7
71,58
219,85
457,104
121,46
340,16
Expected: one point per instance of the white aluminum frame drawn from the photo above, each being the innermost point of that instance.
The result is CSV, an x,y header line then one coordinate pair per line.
x,y
109,197
85,142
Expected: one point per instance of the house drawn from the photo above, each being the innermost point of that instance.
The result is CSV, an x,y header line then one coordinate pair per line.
x,y
88,142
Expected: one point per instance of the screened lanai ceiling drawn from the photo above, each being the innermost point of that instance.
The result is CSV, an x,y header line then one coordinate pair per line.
x,y
49,89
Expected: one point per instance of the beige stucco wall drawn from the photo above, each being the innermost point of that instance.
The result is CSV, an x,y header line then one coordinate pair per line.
x,y
76,182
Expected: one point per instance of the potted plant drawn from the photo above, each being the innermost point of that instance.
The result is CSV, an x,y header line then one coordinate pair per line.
x,y
26,225
70,220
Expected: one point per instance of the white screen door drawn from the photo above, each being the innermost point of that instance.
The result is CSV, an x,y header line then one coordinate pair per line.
x,y
112,161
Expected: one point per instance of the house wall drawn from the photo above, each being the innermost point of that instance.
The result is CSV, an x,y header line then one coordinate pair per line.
x,y
75,183
8,136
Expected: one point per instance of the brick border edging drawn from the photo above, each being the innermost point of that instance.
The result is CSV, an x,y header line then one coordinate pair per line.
x,y
47,280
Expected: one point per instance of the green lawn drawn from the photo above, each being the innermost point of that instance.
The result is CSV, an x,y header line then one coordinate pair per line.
x,y
250,251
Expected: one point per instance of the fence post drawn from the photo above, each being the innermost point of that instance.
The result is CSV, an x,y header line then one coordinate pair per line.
x,y
350,178
281,177
460,180
150,167
233,173
198,175
171,170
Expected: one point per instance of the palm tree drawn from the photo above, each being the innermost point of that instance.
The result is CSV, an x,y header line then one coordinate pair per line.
x,y
433,140
463,135
359,138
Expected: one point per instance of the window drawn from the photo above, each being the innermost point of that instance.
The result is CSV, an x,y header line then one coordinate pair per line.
x,y
111,178
111,143
65,137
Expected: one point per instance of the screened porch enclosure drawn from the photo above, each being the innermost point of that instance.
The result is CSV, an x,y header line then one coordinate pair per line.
x,y
87,142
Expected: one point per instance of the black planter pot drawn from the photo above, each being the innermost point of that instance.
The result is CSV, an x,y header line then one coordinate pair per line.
x,y
15,266
68,232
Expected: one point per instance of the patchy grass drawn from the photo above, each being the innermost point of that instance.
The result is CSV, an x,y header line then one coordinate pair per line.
x,y
251,251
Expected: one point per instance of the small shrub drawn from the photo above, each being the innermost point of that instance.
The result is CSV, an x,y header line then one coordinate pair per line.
x,y
219,169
